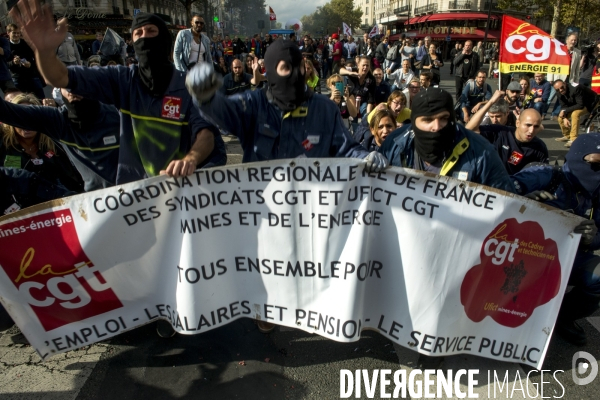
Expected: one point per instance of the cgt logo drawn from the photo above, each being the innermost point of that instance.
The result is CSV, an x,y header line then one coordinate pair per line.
x,y
519,271
171,107
53,274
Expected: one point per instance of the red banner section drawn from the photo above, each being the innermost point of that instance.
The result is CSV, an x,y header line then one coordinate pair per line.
x,y
526,48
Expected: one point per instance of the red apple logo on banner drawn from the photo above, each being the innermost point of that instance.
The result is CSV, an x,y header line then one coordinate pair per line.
x,y
519,271
52,272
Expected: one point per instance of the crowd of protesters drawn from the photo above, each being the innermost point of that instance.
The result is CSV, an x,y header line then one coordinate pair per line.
x,y
165,114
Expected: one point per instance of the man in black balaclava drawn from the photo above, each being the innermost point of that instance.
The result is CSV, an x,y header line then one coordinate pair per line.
x,y
152,50
160,129
435,143
575,188
285,119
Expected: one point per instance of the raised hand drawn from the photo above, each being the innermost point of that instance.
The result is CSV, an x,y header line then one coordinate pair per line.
x,y
37,25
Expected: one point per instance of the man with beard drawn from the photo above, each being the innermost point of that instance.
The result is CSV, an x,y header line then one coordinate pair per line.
x,y
237,81
161,131
284,120
86,129
192,46
516,146
435,143
575,188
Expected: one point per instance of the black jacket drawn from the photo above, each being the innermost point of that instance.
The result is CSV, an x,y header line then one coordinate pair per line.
x,y
576,98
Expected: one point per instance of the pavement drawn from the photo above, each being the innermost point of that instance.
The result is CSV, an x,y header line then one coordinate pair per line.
x,y
236,361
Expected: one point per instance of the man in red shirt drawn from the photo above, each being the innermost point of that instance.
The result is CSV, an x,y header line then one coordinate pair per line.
x,y
336,56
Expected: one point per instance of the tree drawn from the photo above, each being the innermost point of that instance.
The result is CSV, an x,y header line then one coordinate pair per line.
x,y
246,14
331,15
579,13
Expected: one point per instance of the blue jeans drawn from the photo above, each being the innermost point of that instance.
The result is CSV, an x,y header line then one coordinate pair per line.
x,y
540,107
556,109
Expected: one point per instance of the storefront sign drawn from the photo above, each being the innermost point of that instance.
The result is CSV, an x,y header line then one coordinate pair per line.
x,y
444,30
82,13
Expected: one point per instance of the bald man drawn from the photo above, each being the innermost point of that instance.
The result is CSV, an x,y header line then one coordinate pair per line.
x,y
516,146
237,81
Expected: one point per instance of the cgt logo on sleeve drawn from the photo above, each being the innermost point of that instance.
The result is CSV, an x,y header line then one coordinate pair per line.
x,y
171,107
51,271
519,271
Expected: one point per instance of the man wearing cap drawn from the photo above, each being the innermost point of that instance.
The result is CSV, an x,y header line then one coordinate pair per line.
x,y
336,56
161,130
516,146
436,143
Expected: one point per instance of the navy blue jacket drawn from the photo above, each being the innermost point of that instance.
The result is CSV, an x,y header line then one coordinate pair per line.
x,y
315,129
569,195
154,129
93,151
478,163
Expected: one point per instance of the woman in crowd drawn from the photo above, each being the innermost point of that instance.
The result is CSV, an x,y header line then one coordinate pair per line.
x,y
526,96
396,104
222,66
381,125
363,84
312,79
37,153
432,62
345,103
247,61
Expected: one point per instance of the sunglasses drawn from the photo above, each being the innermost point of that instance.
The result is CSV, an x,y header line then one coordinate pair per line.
x,y
198,22
414,87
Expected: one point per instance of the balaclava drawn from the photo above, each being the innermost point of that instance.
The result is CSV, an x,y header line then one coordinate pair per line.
x,y
586,174
433,147
153,54
287,92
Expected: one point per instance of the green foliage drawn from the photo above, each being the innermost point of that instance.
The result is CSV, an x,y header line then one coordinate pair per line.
x,y
580,13
330,16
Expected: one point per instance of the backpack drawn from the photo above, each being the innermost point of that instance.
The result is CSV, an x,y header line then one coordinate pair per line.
x,y
392,53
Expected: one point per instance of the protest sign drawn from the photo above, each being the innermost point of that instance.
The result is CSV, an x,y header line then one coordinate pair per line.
x,y
527,48
436,264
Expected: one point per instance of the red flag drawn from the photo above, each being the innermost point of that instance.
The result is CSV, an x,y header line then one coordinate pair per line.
x,y
527,48
272,17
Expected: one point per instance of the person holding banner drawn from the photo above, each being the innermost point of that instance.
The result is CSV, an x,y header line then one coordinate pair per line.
x,y
576,103
436,143
161,130
575,188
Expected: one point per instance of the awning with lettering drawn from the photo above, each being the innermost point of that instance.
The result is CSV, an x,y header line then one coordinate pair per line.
x,y
477,34
450,17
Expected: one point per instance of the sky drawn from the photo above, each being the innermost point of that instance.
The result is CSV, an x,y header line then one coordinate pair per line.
x,y
288,9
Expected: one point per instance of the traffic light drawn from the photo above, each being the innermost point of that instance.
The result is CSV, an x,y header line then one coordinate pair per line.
x,y
216,19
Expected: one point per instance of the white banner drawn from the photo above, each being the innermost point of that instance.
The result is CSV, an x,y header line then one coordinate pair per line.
x,y
435,264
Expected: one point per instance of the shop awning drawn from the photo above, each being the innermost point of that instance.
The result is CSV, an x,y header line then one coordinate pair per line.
x,y
456,16
449,17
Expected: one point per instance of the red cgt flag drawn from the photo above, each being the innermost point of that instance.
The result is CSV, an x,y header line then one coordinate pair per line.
x,y
527,48
272,17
